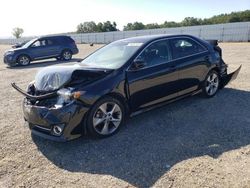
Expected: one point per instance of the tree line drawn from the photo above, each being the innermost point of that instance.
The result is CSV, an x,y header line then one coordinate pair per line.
x,y
92,27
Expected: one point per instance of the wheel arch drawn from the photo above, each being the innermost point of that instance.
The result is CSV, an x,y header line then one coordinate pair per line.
x,y
119,97
66,49
215,69
23,54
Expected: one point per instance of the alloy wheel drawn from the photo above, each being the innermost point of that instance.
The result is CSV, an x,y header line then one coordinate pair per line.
x,y
24,60
107,118
67,55
212,84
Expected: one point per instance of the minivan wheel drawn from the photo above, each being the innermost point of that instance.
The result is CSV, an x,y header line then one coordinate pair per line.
x,y
211,84
105,117
66,55
23,60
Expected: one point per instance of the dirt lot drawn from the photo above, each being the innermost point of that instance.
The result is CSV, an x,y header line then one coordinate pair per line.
x,y
195,142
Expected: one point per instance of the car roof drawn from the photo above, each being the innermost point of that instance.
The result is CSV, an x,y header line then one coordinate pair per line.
x,y
53,36
149,38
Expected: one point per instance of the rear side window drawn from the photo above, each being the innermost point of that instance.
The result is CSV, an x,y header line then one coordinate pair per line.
x,y
68,40
183,47
51,42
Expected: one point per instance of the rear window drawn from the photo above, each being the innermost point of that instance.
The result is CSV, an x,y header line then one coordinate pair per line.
x,y
183,47
63,40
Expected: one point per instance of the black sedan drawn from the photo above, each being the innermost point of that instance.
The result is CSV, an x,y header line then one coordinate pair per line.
x,y
119,80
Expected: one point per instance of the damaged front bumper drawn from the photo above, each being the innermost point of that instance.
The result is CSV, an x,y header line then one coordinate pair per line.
x,y
54,122
59,124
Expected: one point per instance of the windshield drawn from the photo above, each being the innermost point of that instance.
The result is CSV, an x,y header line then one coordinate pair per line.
x,y
112,56
28,43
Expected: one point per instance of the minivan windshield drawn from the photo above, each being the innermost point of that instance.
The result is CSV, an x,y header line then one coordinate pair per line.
x,y
113,55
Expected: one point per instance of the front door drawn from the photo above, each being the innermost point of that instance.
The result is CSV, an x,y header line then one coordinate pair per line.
x,y
38,49
53,47
157,81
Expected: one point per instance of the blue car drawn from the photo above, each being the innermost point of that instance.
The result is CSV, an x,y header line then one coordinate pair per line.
x,y
59,47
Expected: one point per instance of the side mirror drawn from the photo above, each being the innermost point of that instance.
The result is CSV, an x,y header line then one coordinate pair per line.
x,y
139,63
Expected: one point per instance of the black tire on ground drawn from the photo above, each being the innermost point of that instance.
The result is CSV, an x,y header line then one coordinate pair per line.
x,y
23,60
211,85
66,55
105,117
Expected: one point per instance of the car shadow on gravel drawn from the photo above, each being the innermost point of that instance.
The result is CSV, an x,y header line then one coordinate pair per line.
x,y
151,143
43,63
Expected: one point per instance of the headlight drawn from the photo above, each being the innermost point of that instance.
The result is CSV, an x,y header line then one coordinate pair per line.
x,y
67,94
9,53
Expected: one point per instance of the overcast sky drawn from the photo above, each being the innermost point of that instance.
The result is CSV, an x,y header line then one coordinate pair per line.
x,y
39,17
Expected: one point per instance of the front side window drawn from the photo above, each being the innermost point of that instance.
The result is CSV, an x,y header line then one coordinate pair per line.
x,y
155,54
183,47
39,43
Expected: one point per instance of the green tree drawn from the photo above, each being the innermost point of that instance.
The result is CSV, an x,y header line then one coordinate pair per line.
x,y
92,27
234,18
100,27
152,26
134,26
87,27
170,24
108,26
17,32
191,21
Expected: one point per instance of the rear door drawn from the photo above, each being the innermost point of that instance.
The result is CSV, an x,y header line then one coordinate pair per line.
x,y
53,47
192,62
157,81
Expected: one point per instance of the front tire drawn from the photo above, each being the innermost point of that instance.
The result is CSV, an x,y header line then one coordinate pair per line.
x,y
211,84
23,60
105,117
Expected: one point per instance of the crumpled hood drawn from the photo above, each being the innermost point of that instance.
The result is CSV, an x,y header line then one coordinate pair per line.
x,y
55,77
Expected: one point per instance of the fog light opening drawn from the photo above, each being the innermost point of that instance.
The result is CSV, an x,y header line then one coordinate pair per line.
x,y
57,130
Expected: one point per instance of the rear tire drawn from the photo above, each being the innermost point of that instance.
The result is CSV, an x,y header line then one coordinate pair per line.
x,y
105,117
66,55
211,84
23,60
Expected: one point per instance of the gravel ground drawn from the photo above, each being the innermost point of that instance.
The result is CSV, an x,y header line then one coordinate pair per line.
x,y
195,142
